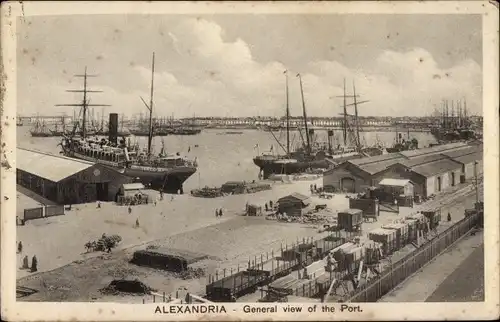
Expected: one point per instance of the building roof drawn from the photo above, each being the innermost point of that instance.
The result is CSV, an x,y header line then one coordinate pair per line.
x,y
424,159
469,158
465,151
133,186
376,167
297,195
48,166
437,167
433,150
394,182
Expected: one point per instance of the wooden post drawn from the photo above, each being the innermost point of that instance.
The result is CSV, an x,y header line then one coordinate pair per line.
x,y
224,271
163,297
154,298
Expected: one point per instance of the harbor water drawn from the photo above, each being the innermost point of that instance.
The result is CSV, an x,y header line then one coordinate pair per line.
x,y
223,157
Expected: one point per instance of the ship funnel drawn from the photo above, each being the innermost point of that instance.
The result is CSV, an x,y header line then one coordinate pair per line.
x,y
311,131
329,138
330,133
113,128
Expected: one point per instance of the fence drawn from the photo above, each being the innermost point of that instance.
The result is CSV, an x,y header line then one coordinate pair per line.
x,y
409,264
41,212
33,213
55,210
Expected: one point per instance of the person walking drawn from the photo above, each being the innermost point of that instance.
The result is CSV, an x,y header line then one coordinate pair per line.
x,y
216,212
449,217
19,248
34,264
129,210
25,262
220,212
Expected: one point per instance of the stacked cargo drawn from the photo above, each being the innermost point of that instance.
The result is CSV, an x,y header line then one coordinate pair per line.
x,y
401,233
422,221
350,219
434,217
373,253
354,256
348,256
412,229
387,237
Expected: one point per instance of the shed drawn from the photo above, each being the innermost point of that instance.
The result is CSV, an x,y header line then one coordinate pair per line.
x,y
397,187
131,189
294,205
168,259
66,180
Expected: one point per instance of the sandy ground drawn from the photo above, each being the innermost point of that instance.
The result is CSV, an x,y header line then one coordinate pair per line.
x,y
64,237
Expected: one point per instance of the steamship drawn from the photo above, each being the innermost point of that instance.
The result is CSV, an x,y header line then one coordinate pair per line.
x,y
309,156
163,172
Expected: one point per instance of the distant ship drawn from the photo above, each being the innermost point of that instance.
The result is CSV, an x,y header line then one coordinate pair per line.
x,y
454,127
402,144
310,157
40,130
163,172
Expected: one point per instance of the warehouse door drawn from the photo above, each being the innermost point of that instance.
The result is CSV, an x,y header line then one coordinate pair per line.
x,y
347,185
102,191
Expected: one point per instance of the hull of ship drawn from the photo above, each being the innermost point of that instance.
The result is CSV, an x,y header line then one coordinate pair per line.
x,y
168,180
41,135
269,166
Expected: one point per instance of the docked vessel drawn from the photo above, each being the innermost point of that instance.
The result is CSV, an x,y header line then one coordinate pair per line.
x,y
403,145
310,156
454,127
163,172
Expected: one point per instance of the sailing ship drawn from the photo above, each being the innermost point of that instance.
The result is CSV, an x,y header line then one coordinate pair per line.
x,y
40,129
309,156
164,172
454,128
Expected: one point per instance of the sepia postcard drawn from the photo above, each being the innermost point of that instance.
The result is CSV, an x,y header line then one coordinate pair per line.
x,y
315,161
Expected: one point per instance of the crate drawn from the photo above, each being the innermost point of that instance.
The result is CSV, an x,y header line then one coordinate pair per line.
x,y
350,219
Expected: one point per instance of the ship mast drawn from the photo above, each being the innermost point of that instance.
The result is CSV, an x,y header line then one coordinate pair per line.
x,y
287,118
344,125
358,141
305,115
85,103
150,106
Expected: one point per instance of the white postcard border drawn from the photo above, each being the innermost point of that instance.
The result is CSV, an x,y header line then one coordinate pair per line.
x,y
12,310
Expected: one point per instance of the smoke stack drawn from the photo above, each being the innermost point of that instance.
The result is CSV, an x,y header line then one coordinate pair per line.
x,y
330,137
113,128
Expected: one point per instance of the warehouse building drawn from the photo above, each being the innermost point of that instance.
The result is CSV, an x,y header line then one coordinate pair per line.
x,y
67,181
295,204
430,170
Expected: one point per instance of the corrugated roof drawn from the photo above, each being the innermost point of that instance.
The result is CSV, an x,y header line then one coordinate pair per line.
x,y
299,196
394,182
48,166
377,158
438,167
434,149
424,159
469,158
464,151
376,167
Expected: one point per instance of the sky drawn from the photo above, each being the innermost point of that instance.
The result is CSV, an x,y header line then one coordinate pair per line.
x,y
233,65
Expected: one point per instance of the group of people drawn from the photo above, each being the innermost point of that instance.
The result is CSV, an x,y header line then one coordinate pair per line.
x,y
218,212
34,260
